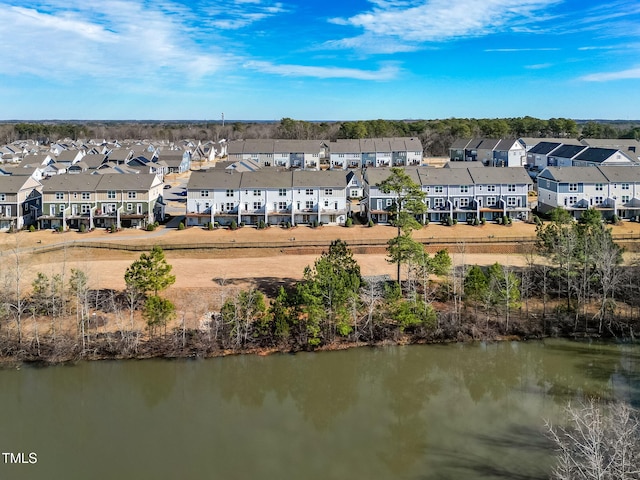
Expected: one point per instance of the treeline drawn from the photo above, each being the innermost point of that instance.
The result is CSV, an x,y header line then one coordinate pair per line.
x,y
436,135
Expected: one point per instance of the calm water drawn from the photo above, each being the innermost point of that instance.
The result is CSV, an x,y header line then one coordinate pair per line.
x,y
418,412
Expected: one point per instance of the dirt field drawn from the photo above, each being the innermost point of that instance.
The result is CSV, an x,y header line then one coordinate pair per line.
x,y
234,266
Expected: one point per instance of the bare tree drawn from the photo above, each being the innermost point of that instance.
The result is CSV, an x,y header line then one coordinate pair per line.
x,y
600,443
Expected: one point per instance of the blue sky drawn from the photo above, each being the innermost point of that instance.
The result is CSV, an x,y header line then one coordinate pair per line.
x,y
319,60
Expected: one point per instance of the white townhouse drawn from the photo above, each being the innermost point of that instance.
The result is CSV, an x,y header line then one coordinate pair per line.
x,y
275,197
345,154
538,155
296,154
509,153
320,196
213,196
614,190
594,156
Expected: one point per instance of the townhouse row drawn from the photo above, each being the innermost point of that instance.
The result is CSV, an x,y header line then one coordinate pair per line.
x,y
81,201
457,193
269,196
541,153
305,197
613,190
323,155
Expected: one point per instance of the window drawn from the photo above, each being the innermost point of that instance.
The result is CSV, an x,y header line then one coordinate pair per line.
x,y
132,194
625,198
86,195
625,186
328,191
573,200
230,193
599,200
3,197
438,189
464,202
354,192
491,188
511,188
282,192
257,205
282,205
309,191
129,207
573,187
491,201
438,202
599,187
59,196
308,204
61,208
464,188
204,193
228,207
257,193
111,194
389,202
326,203
511,201
84,209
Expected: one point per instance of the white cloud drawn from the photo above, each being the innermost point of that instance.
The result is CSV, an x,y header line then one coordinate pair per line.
x,y
112,39
415,22
632,73
538,66
387,72
509,50
237,14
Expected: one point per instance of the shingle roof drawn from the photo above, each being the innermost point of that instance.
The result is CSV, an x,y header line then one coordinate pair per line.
x,y
568,151
596,155
214,179
543,148
573,175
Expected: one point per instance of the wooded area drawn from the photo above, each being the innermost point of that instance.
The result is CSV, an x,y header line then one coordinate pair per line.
x,y
436,135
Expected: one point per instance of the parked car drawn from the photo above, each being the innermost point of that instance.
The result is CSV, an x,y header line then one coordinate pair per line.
x,y
167,186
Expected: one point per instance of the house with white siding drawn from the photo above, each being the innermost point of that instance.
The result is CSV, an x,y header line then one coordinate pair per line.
x,y
614,190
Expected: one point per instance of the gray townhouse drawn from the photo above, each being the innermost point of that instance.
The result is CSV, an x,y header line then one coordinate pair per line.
x,y
20,201
613,190
457,193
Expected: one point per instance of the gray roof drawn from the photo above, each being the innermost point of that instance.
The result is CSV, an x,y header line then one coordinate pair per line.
x,y
266,179
574,175
214,179
621,174
12,183
500,176
445,176
88,183
460,143
322,178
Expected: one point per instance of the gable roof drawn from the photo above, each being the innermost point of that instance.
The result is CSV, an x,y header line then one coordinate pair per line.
x,y
568,151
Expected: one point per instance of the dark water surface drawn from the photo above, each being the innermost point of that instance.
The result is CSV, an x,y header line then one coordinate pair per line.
x,y
415,412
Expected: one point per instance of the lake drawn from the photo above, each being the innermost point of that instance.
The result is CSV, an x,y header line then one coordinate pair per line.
x,y
402,412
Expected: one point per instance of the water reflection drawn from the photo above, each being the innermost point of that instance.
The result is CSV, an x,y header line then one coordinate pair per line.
x,y
456,411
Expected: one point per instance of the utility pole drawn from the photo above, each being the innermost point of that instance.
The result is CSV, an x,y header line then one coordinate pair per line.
x,y
223,119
